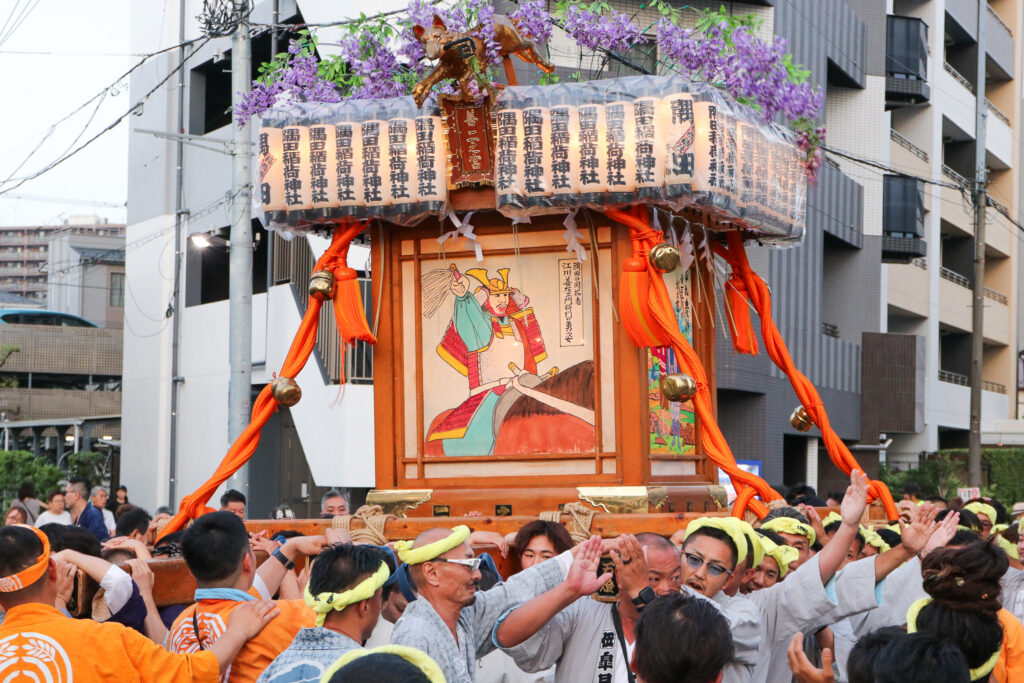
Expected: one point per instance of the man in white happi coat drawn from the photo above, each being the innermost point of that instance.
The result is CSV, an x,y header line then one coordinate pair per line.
x,y
454,624
591,641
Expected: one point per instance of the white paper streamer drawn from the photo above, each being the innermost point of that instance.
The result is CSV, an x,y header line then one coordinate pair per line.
x,y
685,247
465,229
571,237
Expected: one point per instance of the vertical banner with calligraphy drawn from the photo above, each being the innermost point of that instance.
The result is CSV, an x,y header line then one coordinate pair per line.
x,y
570,302
467,127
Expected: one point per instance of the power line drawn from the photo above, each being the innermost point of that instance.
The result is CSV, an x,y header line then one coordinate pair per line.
x,y
135,107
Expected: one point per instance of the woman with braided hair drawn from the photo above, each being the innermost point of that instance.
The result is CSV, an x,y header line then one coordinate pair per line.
x,y
964,608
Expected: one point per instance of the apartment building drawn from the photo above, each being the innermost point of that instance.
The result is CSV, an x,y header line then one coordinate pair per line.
x,y
85,275
922,359
24,249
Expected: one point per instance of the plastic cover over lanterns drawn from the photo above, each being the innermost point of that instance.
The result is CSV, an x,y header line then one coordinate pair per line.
x,y
321,285
664,257
800,420
678,387
286,391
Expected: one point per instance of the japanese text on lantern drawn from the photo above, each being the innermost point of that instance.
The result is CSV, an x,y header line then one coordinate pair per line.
x,y
318,163
561,165
507,147
398,158
570,307
426,151
646,163
345,163
589,141
616,123
291,159
533,150
372,181
266,161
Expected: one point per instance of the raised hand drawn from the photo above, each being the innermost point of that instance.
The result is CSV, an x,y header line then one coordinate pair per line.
x,y
855,500
943,533
915,535
630,565
583,578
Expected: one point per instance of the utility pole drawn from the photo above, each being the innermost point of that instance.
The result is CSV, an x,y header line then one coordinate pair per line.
x,y
240,256
978,293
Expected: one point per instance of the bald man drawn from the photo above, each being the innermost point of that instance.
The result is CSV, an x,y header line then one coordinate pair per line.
x,y
583,641
453,622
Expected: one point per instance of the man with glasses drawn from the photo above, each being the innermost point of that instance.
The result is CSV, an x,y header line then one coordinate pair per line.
x,y
594,641
83,513
454,623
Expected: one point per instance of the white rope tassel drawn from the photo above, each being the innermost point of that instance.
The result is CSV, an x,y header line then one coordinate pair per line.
x,y
572,237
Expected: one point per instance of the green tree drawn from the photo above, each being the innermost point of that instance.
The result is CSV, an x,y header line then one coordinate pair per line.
x,y
18,467
89,464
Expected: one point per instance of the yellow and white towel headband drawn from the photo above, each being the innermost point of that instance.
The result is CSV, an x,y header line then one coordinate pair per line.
x,y
832,517
720,523
981,672
419,658
325,603
753,536
783,555
980,508
410,555
788,525
872,538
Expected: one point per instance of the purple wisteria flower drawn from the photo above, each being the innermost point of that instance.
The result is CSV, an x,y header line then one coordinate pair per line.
x,y
593,31
300,80
485,31
533,20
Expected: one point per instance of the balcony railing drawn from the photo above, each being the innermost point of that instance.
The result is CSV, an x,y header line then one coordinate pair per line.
x,y
999,19
996,296
993,386
954,276
907,144
995,110
954,176
954,378
830,330
920,262
958,76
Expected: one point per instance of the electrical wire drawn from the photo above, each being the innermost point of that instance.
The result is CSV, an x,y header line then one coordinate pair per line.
x,y
110,127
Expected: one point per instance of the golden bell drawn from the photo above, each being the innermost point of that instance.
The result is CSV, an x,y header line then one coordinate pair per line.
x,y
800,420
321,285
664,257
678,387
286,391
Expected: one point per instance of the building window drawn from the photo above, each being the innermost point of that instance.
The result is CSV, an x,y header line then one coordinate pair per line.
x,y
117,290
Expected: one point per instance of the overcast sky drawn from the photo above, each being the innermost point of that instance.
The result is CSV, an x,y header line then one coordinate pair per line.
x,y
63,53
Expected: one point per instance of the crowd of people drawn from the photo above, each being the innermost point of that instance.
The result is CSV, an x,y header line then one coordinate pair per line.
x,y
936,597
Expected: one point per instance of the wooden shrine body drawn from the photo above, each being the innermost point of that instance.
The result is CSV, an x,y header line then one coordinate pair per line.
x,y
535,464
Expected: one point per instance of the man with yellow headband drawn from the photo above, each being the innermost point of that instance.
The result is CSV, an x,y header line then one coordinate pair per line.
x,y
39,643
345,592
986,515
454,623
492,330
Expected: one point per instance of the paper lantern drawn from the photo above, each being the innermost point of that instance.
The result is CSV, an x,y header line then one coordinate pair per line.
x,y
298,196
593,155
376,181
348,161
707,173
729,168
649,147
749,208
402,195
620,147
508,181
536,153
565,146
431,186
271,174
679,138
323,176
